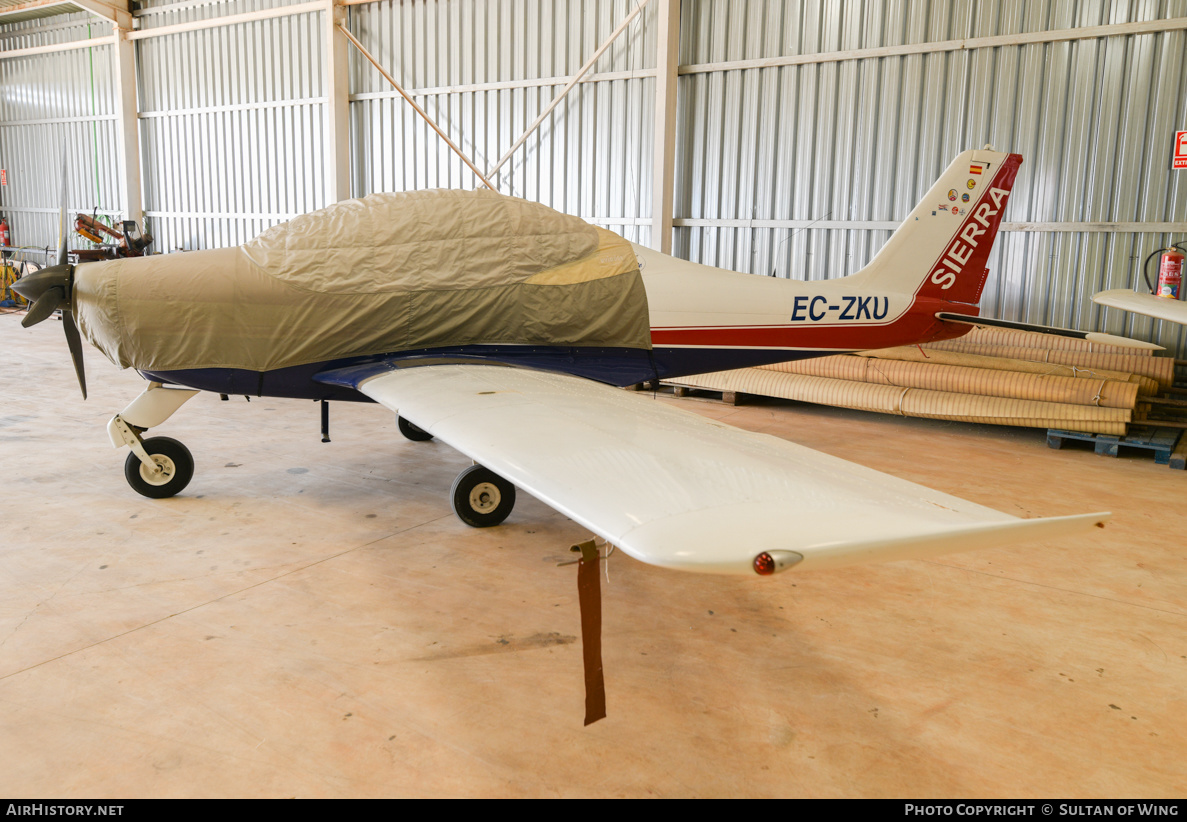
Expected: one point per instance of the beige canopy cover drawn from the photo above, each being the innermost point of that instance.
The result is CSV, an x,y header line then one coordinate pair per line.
x,y
385,273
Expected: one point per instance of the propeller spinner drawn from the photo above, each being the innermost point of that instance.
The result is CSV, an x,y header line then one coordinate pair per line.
x,y
52,288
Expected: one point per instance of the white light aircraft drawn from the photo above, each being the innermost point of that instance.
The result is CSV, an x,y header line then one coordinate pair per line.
x,y
501,327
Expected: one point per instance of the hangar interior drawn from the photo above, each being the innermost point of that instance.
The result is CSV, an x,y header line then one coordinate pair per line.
x,y
313,621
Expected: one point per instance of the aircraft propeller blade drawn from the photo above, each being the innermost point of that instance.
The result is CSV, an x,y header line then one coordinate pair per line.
x,y
74,341
52,288
42,307
46,290
63,230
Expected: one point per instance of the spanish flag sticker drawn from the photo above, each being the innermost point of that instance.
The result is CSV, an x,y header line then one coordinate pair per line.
x,y
975,168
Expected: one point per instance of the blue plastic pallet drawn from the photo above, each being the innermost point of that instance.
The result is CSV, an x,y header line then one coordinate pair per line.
x,y
1161,441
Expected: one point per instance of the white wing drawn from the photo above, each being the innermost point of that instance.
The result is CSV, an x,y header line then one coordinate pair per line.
x,y
678,490
1160,308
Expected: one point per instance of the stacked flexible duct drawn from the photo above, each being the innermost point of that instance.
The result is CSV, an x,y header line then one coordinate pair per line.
x,y
990,375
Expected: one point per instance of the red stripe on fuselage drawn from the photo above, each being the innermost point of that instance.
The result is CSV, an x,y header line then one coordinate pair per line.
x,y
917,324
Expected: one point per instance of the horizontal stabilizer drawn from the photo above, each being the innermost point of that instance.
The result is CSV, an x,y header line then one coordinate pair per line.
x,y
1090,336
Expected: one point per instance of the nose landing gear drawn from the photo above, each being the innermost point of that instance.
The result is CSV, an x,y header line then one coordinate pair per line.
x,y
158,467
174,468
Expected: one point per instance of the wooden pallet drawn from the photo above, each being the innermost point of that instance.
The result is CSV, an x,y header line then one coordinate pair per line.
x,y
1162,441
685,390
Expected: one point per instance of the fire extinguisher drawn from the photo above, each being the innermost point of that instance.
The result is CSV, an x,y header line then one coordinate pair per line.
x,y
4,232
1170,272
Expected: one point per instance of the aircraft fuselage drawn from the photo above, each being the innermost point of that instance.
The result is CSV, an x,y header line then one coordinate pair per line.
x,y
703,319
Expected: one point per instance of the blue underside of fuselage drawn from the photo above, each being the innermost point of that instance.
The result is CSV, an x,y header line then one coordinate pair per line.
x,y
339,379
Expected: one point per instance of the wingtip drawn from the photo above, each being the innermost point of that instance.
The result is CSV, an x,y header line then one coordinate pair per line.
x,y
954,540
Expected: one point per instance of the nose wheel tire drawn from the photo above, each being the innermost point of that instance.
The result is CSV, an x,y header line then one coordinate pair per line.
x,y
481,498
411,432
176,464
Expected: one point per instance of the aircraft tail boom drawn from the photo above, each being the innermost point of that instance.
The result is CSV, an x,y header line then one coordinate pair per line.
x,y
936,261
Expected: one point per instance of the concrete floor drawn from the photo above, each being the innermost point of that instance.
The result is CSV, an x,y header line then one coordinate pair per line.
x,y
311,620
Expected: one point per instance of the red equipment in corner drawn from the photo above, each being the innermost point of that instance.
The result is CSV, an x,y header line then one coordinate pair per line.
x,y
129,243
1170,274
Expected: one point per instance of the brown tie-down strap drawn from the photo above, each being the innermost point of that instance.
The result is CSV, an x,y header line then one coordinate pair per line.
x,y
589,596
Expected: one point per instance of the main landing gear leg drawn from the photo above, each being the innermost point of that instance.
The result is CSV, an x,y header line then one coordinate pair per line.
x,y
158,467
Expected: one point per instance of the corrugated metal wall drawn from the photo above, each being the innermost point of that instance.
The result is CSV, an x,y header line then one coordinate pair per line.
x,y
796,170
860,140
231,123
484,70
50,103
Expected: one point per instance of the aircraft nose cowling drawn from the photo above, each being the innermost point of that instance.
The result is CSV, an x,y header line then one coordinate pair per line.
x,y
163,311
94,299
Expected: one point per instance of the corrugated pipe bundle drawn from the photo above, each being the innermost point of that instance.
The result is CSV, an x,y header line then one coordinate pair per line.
x,y
1103,392
916,402
990,375
1161,369
912,353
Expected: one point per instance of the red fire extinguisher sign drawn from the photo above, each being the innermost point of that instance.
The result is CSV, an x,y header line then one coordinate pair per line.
x,y
1180,160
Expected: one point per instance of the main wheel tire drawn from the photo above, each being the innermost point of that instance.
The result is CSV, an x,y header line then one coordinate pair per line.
x,y
411,431
481,498
177,468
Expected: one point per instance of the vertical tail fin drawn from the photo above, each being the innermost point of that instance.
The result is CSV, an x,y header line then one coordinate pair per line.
x,y
941,249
